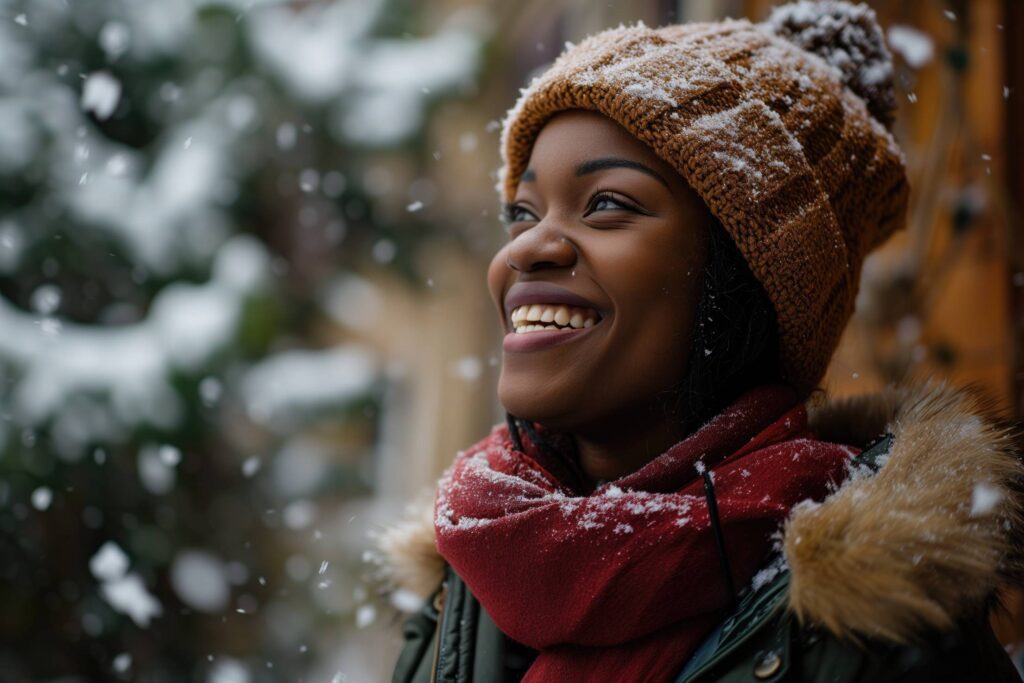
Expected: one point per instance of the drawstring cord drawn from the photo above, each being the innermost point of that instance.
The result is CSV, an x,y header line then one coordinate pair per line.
x,y
709,494
716,525
513,431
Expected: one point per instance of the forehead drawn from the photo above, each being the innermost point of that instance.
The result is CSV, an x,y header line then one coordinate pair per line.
x,y
574,136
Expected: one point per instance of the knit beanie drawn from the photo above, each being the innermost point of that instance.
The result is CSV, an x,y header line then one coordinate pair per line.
x,y
781,127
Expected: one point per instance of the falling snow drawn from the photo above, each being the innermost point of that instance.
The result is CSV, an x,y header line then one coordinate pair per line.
x,y
200,580
365,615
251,466
122,663
985,499
916,47
128,595
41,498
228,670
109,562
405,600
100,94
468,368
123,590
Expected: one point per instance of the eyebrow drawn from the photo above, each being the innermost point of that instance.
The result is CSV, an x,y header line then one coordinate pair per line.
x,y
602,164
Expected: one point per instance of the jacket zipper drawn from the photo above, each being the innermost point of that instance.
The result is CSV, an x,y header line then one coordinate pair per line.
x,y
439,604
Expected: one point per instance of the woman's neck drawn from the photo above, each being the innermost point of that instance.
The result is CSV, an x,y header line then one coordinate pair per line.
x,y
622,446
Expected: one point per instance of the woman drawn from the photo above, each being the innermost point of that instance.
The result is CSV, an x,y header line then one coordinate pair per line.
x,y
688,210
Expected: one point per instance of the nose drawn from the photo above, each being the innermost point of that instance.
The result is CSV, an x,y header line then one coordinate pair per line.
x,y
544,245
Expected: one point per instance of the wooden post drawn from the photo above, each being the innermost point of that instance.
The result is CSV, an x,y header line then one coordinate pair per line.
x,y
1013,111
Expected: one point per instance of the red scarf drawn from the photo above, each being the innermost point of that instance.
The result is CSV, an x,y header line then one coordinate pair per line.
x,y
624,583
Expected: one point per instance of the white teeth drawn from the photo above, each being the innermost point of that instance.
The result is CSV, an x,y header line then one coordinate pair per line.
x,y
535,317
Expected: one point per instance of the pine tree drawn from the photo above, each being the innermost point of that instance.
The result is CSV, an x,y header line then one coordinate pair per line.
x,y
178,187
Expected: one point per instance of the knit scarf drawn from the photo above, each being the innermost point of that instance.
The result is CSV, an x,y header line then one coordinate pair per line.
x,y
622,583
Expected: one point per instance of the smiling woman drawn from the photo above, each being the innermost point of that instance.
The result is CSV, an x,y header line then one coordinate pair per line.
x,y
603,230
597,223
671,498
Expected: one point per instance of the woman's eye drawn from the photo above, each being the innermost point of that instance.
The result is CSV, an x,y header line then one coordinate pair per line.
x,y
515,213
603,202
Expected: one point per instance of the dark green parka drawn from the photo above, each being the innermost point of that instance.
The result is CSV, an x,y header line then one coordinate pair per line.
x,y
890,579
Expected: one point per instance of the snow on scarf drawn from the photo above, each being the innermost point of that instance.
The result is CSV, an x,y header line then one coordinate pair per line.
x,y
623,584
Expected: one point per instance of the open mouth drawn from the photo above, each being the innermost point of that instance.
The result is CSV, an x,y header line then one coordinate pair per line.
x,y
539,317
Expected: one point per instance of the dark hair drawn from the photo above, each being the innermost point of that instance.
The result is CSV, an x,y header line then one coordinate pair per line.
x,y
734,346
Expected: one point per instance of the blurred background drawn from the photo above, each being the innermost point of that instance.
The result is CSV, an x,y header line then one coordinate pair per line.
x,y
243,318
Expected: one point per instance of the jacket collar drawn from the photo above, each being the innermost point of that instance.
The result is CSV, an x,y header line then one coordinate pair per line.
x,y
925,541
920,544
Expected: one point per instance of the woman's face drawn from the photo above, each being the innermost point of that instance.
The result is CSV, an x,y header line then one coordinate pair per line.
x,y
597,286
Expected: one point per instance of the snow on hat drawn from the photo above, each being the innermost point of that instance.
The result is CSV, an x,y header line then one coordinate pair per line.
x,y
781,127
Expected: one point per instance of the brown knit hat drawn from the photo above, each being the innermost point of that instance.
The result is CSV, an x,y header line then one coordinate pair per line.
x,y
781,127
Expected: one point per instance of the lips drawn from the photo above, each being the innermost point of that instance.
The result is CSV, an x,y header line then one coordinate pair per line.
x,y
545,293
541,314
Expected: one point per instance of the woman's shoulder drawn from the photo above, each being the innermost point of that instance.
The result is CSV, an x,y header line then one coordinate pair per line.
x,y
895,571
763,641
893,575
924,530
452,638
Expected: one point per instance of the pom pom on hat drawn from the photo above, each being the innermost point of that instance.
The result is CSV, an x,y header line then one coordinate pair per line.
x,y
848,38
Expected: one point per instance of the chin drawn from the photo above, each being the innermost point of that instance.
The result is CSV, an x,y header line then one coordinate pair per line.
x,y
554,411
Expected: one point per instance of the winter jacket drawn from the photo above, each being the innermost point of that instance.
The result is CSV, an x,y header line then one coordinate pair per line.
x,y
890,579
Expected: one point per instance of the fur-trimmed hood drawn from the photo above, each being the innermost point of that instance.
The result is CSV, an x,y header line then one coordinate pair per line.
x,y
922,543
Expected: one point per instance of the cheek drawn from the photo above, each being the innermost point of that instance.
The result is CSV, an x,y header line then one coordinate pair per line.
x,y
497,277
654,277
655,339
657,302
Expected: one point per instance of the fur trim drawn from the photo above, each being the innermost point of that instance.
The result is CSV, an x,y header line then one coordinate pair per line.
x,y
406,553
918,545
925,541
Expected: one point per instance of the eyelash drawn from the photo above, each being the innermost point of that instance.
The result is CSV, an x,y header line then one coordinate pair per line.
x,y
509,214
